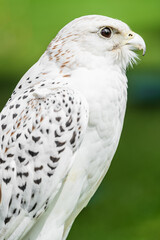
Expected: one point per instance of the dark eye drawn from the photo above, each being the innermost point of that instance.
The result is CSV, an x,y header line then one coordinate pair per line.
x,y
106,32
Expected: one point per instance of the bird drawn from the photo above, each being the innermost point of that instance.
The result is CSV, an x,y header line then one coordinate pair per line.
x,y
61,127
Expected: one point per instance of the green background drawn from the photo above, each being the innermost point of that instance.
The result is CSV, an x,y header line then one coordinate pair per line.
x,y
127,204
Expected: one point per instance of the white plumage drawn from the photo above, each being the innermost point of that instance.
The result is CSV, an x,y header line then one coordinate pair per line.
x,y
61,127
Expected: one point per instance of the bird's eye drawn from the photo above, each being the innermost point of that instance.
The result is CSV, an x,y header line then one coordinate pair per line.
x,y
106,32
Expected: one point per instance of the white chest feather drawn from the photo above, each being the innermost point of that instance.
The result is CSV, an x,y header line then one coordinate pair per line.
x,y
106,96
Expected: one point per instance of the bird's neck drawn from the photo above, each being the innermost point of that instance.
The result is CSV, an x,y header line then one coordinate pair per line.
x,y
87,73
68,55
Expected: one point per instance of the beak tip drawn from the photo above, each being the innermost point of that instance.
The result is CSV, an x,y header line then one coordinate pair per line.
x,y
144,51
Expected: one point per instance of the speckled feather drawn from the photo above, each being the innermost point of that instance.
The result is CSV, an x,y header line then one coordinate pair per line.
x,y
61,127
38,132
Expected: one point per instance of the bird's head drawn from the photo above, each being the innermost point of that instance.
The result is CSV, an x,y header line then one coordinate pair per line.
x,y
96,40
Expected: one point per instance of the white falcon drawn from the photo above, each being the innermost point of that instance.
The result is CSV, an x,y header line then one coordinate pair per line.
x,y
61,127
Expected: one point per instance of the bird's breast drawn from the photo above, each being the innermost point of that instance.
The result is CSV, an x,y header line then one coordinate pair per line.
x,y
106,96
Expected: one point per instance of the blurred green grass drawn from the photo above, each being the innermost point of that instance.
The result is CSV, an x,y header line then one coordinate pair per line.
x,y
127,204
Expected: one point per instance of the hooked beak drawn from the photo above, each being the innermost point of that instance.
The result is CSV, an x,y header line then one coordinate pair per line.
x,y
136,41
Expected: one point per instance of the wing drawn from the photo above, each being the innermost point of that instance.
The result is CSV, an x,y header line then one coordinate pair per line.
x,y
39,135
